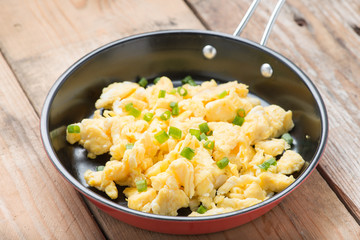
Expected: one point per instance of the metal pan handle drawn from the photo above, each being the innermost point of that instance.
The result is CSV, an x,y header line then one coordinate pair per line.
x,y
269,25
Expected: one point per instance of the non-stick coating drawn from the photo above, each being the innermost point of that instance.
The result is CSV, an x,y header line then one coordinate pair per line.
x,y
177,54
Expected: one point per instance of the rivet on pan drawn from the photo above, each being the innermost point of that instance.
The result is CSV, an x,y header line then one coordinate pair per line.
x,y
209,52
266,70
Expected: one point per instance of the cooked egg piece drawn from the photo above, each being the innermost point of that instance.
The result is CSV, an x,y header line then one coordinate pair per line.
x,y
273,147
140,201
115,91
275,182
290,162
168,201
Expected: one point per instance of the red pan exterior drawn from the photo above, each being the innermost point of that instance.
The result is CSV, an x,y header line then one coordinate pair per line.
x,y
186,227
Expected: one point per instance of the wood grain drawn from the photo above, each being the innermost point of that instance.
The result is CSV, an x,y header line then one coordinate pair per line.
x,y
322,38
42,38
35,202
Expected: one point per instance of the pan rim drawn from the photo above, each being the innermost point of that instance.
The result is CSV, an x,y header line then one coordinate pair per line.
x,y
45,134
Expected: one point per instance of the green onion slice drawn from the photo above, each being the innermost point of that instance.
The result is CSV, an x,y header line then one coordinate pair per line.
x,y
287,137
162,94
175,111
143,82
188,153
209,145
195,132
241,112
132,110
186,80
165,115
172,91
129,146
238,120
156,80
201,209
223,94
173,104
135,112
203,136
129,106
265,165
161,136
189,80
204,127
182,91
73,128
141,185
148,116
222,163
100,168
175,132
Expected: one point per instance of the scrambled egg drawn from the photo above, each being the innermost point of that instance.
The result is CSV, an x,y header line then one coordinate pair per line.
x,y
208,147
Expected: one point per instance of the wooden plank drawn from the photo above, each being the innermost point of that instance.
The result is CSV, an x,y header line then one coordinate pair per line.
x,y
41,39
312,211
323,39
66,31
35,201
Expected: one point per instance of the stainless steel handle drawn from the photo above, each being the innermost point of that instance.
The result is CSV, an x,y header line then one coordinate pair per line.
x,y
269,25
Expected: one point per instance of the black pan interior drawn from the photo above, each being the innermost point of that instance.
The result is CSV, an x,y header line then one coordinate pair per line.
x,y
176,55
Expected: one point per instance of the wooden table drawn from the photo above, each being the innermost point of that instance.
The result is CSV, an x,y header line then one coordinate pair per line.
x,y
39,39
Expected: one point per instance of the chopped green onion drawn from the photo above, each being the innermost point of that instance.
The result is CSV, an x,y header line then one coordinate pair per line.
x,y
174,108
141,185
148,116
161,136
209,145
135,112
156,80
210,133
132,110
203,136
238,120
195,132
100,168
241,112
223,94
222,163
175,111
175,132
188,153
73,128
204,127
165,115
162,94
186,80
265,165
129,106
172,91
173,104
189,80
129,146
201,209
143,82
182,91
192,83
287,137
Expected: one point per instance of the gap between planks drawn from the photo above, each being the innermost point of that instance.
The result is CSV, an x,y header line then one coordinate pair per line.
x,y
197,15
344,199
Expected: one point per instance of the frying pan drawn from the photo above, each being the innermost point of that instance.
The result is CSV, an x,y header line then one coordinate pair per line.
x,y
204,55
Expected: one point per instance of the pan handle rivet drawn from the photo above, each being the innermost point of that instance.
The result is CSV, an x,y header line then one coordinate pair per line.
x,y
209,52
266,70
